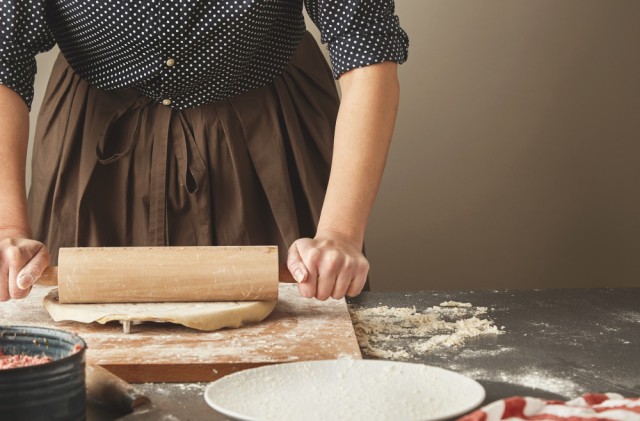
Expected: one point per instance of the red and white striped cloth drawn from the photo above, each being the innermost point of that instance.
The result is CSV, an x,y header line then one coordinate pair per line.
x,y
589,407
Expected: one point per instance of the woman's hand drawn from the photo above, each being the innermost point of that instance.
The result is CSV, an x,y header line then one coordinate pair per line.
x,y
22,261
332,263
329,265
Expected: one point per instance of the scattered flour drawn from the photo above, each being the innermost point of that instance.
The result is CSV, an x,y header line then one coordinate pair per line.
x,y
443,326
193,387
484,353
532,377
454,304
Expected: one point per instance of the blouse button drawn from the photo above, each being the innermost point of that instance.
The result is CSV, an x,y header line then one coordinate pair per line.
x,y
166,102
170,62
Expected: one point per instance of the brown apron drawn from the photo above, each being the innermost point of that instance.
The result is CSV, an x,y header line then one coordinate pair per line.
x,y
118,169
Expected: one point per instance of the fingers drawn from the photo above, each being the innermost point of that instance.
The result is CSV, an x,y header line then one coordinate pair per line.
x,y
351,280
22,261
296,265
15,258
33,269
342,285
16,292
330,269
357,284
308,288
330,266
302,258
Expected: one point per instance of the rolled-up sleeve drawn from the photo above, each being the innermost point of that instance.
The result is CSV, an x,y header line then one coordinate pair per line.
x,y
359,32
23,34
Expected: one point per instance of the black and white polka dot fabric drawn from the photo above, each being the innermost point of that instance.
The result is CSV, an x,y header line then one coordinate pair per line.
x,y
184,53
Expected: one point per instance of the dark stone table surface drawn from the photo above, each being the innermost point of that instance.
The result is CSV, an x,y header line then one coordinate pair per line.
x,y
556,343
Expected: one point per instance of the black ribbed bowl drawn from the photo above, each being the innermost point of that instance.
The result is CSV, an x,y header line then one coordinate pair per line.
x,y
50,391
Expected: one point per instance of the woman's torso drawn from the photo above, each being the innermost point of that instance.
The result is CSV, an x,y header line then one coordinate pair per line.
x,y
180,53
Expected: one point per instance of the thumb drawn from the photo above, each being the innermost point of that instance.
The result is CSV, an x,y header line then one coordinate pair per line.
x,y
296,265
33,269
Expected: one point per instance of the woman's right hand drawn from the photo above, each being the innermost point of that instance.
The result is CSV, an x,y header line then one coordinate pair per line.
x,y
22,261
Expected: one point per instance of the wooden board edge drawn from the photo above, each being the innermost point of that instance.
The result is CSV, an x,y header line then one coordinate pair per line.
x,y
176,373
184,373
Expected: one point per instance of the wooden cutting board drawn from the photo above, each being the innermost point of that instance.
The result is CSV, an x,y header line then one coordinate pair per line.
x,y
299,329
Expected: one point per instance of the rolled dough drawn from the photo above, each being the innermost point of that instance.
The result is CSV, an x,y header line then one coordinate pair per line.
x,y
201,316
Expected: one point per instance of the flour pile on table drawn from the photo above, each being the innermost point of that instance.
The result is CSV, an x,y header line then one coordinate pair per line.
x,y
446,325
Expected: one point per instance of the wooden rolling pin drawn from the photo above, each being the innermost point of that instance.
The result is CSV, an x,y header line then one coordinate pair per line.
x,y
162,274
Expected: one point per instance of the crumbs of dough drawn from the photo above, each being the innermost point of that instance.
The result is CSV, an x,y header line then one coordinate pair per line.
x,y
448,325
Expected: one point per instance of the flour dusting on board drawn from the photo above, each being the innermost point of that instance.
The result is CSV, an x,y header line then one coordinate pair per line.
x,y
298,329
444,326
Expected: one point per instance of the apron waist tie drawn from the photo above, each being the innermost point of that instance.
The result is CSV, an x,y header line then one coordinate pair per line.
x,y
191,166
158,167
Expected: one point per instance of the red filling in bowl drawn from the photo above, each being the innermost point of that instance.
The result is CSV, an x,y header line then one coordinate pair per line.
x,y
21,360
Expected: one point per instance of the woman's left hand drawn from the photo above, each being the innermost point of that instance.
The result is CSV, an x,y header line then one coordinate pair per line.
x,y
329,265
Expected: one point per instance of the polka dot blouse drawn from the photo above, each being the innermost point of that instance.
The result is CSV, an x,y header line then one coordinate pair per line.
x,y
184,53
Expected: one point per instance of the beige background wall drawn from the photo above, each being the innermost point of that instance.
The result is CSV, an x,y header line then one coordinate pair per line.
x,y
515,161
